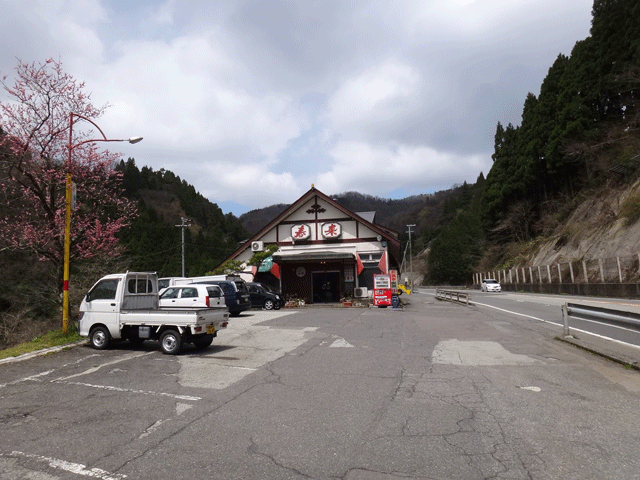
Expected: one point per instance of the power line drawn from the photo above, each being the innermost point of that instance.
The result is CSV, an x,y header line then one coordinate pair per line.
x,y
410,253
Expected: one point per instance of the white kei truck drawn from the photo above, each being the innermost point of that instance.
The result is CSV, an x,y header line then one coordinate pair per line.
x,y
125,306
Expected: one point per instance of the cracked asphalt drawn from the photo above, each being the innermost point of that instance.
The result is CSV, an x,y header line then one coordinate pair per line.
x,y
437,391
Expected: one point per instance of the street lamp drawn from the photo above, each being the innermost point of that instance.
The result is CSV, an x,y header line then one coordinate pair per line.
x,y
67,220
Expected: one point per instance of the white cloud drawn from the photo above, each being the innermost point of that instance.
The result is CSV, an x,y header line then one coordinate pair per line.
x,y
251,103
178,94
381,170
379,94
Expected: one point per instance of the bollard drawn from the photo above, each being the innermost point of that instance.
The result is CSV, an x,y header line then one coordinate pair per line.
x,y
565,320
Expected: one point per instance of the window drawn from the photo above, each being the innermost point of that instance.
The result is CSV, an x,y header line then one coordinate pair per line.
x,y
105,290
139,285
240,286
227,288
189,293
170,293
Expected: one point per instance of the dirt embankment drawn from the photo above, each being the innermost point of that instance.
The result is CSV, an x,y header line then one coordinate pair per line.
x,y
603,226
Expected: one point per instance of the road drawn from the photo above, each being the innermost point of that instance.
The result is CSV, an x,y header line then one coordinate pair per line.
x,y
547,308
437,391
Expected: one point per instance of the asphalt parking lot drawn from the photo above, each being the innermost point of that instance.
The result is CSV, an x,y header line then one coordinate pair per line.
x,y
435,391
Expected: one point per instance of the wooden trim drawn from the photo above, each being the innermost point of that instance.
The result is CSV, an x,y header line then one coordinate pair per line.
x,y
324,220
328,242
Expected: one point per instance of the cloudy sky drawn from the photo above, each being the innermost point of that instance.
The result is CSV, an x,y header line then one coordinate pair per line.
x,y
253,101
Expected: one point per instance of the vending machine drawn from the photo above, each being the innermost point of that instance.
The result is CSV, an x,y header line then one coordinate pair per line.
x,y
382,290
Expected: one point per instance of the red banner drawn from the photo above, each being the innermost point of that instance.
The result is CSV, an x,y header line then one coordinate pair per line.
x,y
383,263
275,269
359,263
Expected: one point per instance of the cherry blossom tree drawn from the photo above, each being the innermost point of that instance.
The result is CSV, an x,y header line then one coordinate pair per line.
x,y
34,148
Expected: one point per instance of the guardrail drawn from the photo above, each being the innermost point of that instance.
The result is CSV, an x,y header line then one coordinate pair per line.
x,y
618,318
452,295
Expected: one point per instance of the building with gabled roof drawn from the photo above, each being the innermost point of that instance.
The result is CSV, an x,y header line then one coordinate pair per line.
x,y
325,251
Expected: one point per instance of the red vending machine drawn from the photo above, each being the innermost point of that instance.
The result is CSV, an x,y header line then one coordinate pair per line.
x,y
381,290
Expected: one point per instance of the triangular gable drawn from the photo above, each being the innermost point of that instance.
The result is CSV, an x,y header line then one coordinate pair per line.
x,y
310,209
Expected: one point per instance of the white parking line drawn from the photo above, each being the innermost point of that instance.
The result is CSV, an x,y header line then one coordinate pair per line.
x,y
76,468
31,378
131,390
121,359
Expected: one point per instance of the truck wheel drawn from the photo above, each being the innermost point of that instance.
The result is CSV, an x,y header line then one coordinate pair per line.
x,y
268,304
100,338
202,341
170,342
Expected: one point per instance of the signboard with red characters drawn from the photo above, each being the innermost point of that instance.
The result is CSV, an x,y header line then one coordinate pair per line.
x,y
300,232
331,230
381,290
394,281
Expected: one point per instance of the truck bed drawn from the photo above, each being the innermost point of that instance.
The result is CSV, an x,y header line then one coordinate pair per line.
x,y
181,317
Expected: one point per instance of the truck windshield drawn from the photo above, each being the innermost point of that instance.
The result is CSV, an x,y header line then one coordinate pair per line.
x,y
105,290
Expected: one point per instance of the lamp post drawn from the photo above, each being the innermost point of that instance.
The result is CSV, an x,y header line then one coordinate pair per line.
x,y
67,220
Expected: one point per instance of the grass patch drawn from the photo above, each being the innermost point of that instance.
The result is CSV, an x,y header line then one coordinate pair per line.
x,y
630,208
50,339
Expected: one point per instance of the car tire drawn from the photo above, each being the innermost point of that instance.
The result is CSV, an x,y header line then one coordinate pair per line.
x,y
100,338
269,304
170,342
203,341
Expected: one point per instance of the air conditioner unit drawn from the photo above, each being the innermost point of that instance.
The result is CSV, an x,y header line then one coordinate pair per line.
x,y
361,292
257,246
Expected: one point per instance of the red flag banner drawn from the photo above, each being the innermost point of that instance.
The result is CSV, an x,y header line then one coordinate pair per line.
x,y
275,270
360,266
383,263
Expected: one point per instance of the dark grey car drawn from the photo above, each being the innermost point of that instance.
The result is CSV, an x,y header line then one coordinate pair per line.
x,y
263,297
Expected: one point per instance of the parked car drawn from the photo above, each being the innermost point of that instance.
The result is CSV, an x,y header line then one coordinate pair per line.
x,y
263,297
236,295
490,285
168,282
201,296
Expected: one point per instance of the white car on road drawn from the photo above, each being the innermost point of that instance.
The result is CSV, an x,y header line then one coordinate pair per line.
x,y
490,285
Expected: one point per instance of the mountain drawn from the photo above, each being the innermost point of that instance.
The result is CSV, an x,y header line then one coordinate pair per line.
x,y
154,240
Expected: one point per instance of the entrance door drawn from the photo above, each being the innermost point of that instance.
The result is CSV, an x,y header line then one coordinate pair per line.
x,y
326,287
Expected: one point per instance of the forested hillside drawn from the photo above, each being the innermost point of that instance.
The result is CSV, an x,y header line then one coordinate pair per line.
x,y
580,135
153,242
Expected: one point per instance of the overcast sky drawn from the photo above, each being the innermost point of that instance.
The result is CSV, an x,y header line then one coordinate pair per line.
x,y
253,101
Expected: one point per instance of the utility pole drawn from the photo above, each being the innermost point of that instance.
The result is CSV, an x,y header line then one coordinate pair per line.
x,y
183,225
410,254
